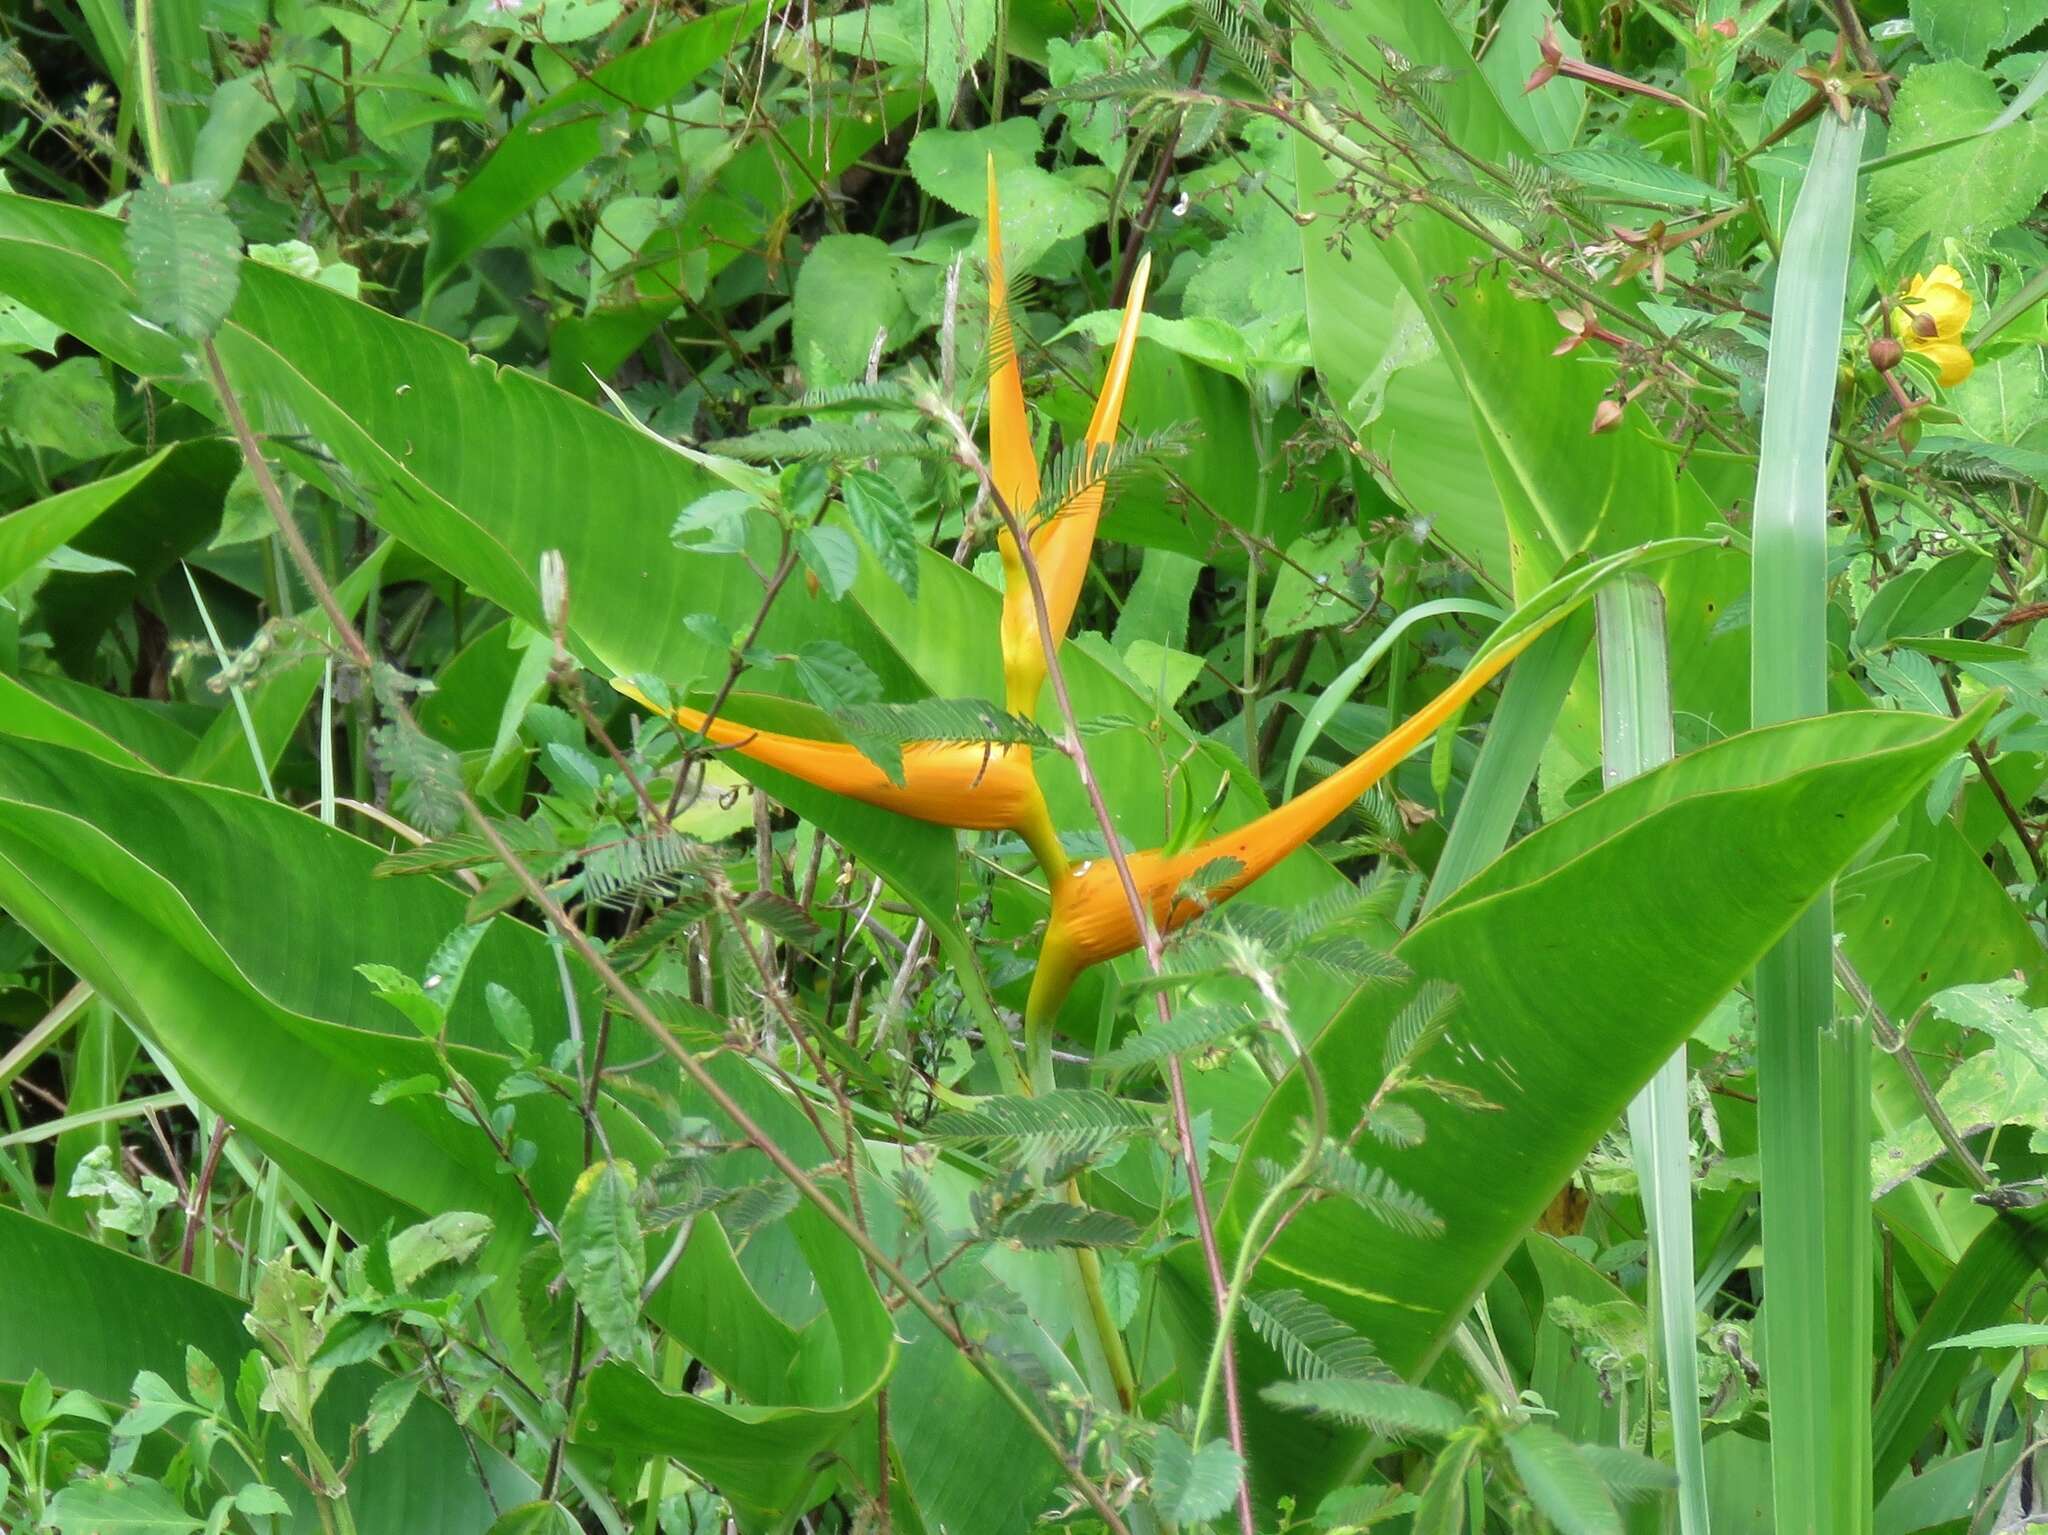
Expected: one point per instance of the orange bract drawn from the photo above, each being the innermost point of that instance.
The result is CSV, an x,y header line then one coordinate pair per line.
x,y
963,784
1092,919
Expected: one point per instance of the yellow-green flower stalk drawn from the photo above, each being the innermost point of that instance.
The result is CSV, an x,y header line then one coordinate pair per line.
x,y
1937,306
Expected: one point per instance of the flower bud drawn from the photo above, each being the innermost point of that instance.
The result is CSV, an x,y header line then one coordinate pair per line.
x,y
1606,417
1885,353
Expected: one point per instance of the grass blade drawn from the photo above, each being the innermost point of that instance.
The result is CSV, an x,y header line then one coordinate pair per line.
x,y
1813,1069
241,703
1635,736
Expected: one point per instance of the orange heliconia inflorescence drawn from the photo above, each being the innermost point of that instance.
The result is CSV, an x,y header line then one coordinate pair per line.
x,y
980,787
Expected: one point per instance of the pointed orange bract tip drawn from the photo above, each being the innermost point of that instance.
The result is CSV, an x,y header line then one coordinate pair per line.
x,y
1011,462
1062,545
1092,919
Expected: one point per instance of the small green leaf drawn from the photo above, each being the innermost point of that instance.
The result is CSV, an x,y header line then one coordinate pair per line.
x,y
2010,1335
353,1339
510,1017
35,1401
1563,1487
835,676
1638,176
1388,1407
1190,1485
879,513
258,1498
714,524
114,1505
186,255
1055,1223
203,1380
831,555
847,292
603,1255
156,1403
448,1238
535,1519
405,994
388,1407
1441,1510
405,1087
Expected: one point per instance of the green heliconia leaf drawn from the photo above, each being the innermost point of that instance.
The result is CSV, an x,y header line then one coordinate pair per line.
x,y
1813,1077
186,254
1555,489
38,530
604,1256
1564,1488
1997,1266
395,436
1190,1485
1580,964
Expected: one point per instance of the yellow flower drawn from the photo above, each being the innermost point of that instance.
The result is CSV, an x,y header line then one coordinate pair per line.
x,y
1061,543
1092,919
1937,306
965,784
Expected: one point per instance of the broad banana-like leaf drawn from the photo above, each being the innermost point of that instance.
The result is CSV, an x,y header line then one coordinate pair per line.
x,y
1580,960
227,928
402,411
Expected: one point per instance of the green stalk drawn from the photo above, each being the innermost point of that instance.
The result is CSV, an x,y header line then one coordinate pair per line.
x,y
1635,736
1813,1070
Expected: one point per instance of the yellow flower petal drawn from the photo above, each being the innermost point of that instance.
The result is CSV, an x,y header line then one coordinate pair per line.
x,y
1065,542
1937,296
1952,357
963,784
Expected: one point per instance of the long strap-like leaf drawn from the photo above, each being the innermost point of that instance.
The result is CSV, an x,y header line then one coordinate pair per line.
x,y
1635,736
1813,1070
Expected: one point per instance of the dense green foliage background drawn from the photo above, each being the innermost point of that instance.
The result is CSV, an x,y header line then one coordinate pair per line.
x,y
443,1095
